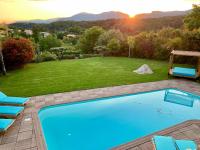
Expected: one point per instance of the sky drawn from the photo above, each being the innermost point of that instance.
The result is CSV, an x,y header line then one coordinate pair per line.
x,y
15,10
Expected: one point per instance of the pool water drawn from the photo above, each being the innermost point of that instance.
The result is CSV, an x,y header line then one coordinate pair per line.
x,y
102,124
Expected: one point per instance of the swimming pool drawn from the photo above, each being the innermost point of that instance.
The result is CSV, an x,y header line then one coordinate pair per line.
x,y
104,123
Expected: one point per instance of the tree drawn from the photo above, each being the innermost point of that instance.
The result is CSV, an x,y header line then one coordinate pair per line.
x,y
4,30
113,45
145,44
60,35
131,44
88,40
109,35
17,52
175,43
3,68
49,42
75,30
36,35
192,20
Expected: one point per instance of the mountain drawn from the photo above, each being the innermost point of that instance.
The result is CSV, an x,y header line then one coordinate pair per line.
x,y
109,15
101,16
159,14
83,17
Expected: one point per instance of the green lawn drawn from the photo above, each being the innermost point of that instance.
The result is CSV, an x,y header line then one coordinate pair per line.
x,y
70,75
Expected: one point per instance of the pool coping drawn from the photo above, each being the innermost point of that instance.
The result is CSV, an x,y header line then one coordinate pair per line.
x,y
148,138
41,144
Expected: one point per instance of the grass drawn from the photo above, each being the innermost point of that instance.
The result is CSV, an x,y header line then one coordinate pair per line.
x,y
69,75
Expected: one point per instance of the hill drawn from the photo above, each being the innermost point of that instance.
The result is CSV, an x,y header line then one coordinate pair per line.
x,y
83,17
159,14
129,26
108,15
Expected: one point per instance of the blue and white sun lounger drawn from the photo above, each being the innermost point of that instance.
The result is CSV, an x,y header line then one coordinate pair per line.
x,y
169,143
4,99
5,124
10,111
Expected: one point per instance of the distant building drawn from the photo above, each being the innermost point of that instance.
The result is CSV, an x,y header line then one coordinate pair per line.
x,y
10,30
28,32
44,34
71,35
2,34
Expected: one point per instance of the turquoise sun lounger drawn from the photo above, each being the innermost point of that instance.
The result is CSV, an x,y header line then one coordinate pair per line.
x,y
186,72
4,99
10,111
5,124
186,145
164,143
169,143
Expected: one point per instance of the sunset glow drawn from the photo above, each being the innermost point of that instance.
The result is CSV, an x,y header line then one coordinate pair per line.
x,y
12,10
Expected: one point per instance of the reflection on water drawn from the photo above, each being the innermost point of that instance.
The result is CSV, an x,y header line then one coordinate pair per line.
x,y
178,97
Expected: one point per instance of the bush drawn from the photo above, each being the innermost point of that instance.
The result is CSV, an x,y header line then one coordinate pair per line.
x,y
49,42
47,56
89,55
100,49
17,52
63,52
69,56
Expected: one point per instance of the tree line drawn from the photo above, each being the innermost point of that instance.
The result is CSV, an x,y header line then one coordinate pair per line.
x,y
128,26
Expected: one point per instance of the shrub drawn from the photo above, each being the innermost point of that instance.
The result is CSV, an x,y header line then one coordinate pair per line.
x,y
49,42
89,55
17,52
63,52
47,56
69,56
100,49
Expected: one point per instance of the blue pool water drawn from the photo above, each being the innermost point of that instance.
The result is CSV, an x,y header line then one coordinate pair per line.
x,y
101,124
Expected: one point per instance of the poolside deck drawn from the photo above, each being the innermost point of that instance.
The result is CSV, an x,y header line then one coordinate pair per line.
x,y
26,133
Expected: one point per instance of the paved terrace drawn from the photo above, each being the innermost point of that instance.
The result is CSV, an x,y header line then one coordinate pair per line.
x,y
26,133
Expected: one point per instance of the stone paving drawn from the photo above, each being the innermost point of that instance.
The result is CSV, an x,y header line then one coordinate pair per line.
x,y
25,134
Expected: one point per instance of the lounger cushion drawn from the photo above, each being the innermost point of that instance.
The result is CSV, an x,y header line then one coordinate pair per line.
x,y
186,145
13,100
5,124
164,143
186,72
10,110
